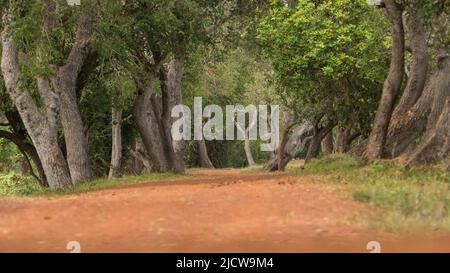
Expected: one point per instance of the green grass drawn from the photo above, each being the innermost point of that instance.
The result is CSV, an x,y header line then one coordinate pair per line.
x,y
408,199
15,185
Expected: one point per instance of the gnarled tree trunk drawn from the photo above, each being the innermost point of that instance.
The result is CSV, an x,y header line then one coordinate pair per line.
x,y
152,114
274,164
419,64
172,96
296,143
147,115
66,82
314,146
403,132
377,137
41,132
416,82
436,143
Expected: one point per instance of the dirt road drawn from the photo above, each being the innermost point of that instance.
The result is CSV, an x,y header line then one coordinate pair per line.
x,y
214,211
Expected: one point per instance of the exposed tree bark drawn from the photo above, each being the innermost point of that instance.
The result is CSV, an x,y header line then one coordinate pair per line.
x,y
116,149
298,141
440,98
66,84
205,161
342,140
328,144
141,161
377,137
38,126
419,64
147,115
172,97
404,132
152,114
274,164
300,137
416,81
314,146
436,143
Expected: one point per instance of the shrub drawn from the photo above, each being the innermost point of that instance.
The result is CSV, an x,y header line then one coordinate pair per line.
x,y
12,184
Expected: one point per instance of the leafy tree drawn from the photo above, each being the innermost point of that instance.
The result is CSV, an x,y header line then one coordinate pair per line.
x,y
328,60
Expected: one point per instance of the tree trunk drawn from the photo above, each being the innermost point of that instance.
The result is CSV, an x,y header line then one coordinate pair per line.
x,y
67,76
377,137
172,96
141,161
419,65
300,137
280,155
152,114
147,115
248,149
40,130
314,146
404,131
247,146
205,161
116,149
28,150
436,143
342,140
327,144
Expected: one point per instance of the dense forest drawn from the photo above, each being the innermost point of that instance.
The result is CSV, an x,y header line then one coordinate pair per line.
x,y
87,90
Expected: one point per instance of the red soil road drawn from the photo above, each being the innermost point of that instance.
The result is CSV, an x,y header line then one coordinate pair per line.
x,y
214,211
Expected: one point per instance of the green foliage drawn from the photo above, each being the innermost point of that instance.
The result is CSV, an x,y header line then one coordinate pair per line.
x,y
230,154
327,57
49,43
235,76
407,198
12,184
104,90
9,156
142,27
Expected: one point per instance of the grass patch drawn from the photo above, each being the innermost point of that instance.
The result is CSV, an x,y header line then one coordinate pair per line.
x,y
16,185
409,199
